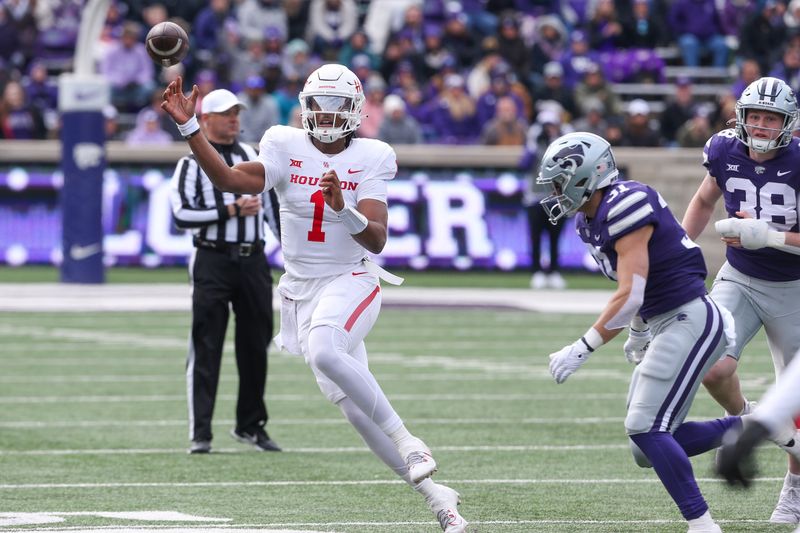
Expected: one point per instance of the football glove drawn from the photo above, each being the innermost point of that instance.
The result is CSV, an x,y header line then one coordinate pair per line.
x,y
753,234
727,227
636,345
568,359
735,461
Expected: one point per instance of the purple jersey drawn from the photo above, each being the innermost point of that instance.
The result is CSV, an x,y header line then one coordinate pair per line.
x,y
677,270
767,190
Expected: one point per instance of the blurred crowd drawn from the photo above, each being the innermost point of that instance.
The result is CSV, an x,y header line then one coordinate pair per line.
x,y
497,72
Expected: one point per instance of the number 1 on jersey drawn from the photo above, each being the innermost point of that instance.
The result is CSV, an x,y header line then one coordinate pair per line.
x,y
316,234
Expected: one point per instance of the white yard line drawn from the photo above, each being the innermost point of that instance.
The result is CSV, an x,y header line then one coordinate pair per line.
x,y
210,528
346,449
124,398
92,336
525,448
270,527
58,297
345,483
41,424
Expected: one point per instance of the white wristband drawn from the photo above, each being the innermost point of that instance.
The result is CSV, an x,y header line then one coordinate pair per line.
x,y
776,238
190,127
592,339
354,221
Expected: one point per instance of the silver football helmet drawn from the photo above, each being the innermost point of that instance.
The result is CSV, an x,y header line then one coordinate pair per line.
x,y
575,165
768,94
331,102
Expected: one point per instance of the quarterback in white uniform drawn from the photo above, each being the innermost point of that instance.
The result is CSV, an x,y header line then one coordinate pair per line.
x,y
332,192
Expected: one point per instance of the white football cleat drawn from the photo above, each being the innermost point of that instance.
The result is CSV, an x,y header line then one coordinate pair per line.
x,y
793,446
539,281
555,281
788,509
788,439
420,464
444,503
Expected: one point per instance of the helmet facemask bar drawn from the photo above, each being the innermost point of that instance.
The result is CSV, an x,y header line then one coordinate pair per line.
x,y
783,137
329,117
558,205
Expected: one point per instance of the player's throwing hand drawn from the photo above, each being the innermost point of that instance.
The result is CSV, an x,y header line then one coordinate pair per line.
x,y
176,104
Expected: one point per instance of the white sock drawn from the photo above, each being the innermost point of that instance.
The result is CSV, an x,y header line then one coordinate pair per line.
x,y
791,480
405,441
702,521
746,409
381,445
426,487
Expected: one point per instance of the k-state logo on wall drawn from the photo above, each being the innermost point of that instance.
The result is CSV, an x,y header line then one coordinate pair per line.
x,y
87,155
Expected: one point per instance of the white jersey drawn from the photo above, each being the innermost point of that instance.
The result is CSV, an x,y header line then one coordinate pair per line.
x,y
315,242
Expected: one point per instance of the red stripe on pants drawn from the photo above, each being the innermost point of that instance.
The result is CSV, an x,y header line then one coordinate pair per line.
x,y
360,309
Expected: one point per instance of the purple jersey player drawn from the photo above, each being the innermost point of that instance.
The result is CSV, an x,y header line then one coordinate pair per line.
x,y
660,277
675,261
755,167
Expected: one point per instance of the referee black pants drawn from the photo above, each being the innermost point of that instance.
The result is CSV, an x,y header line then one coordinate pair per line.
x,y
221,281
538,224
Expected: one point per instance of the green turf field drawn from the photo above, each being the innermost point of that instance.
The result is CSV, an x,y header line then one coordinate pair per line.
x,y
93,420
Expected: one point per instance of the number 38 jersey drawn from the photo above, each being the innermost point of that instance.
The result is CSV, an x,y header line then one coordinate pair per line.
x,y
767,191
677,271
314,241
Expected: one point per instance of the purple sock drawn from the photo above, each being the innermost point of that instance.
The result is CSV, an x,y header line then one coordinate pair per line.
x,y
699,437
674,470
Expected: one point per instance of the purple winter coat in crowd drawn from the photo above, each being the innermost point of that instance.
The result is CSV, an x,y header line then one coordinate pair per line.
x,y
697,17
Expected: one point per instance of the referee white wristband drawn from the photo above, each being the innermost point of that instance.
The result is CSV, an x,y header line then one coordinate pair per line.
x,y
354,221
189,128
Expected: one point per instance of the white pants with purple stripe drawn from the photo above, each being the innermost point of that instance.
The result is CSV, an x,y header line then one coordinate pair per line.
x,y
687,341
775,305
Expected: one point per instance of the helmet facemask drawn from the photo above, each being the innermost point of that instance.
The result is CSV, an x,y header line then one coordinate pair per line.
x,y
766,94
558,205
329,118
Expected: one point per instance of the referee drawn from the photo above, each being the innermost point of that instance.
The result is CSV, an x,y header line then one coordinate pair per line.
x,y
228,268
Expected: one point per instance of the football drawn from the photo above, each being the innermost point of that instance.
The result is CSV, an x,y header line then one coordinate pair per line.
x,y
167,43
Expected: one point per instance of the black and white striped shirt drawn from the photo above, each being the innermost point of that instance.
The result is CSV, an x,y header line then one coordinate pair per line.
x,y
200,207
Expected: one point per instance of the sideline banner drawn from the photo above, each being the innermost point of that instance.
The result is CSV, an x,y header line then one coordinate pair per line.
x,y
81,100
437,219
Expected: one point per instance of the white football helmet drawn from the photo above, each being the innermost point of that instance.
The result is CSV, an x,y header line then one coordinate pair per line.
x,y
575,165
767,94
331,102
